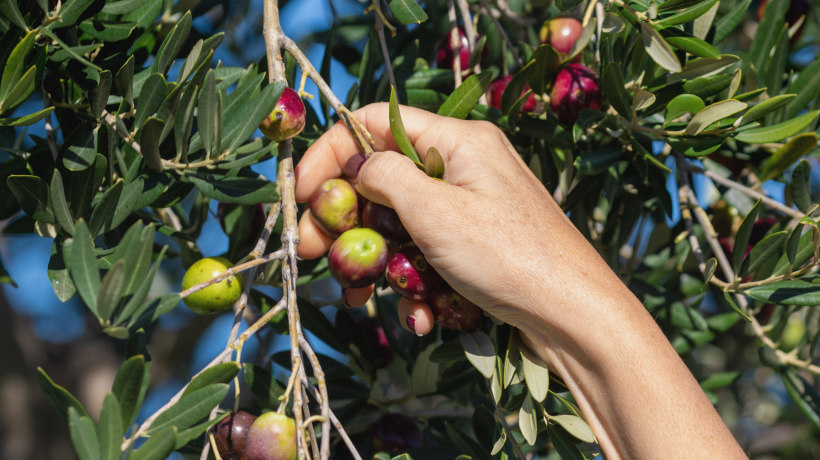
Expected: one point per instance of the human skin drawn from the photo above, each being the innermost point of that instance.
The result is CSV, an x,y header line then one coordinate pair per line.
x,y
548,281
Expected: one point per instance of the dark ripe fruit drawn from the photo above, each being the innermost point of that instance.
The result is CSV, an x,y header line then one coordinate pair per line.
x,y
453,311
385,221
575,88
445,53
396,433
287,118
377,340
353,165
231,434
410,276
561,34
216,297
357,258
496,90
335,207
272,437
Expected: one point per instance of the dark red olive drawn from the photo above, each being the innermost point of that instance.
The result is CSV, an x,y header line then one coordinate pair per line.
x,y
410,276
231,434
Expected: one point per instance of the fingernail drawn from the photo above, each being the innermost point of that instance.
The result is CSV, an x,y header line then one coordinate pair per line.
x,y
411,324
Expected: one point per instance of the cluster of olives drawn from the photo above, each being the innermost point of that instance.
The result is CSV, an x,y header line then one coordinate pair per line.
x,y
242,436
371,241
574,88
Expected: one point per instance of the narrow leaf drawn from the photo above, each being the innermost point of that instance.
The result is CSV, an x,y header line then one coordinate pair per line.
x,y
800,185
527,421
191,408
764,108
110,290
536,375
713,113
58,396
83,267
159,446
657,48
788,154
110,429
424,376
480,351
83,435
575,426
397,128
465,97
221,373
730,21
744,233
407,11
58,203
779,131
790,292
683,104
130,386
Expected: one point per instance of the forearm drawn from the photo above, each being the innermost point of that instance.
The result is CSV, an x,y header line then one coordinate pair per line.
x,y
637,394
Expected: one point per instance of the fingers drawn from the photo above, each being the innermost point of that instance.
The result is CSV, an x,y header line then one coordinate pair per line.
x,y
313,242
415,316
356,297
391,179
326,158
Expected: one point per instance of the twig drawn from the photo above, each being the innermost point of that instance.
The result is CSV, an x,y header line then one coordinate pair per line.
x,y
455,42
233,271
336,423
780,207
388,64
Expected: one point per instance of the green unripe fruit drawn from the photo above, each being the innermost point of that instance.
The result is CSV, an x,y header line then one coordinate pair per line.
x,y
272,437
216,297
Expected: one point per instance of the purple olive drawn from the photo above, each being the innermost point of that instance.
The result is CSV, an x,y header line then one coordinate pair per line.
x,y
334,207
453,311
231,434
576,87
409,274
396,433
357,258
353,165
287,118
385,221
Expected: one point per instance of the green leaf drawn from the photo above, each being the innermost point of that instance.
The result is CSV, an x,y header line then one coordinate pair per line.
x,y
800,185
613,85
71,11
764,108
104,209
670,5
744,233
121,6
763,252
58,275
424,376
564,445
26,120
158,447
465,97
124,81
240,125
575,426
719,380
712,114
536,375
790,292
110,289
539,72
264,387
59,397
184,121
480,351
784,157
145,14
172,44
690,44
99,94
433,163
150,98
83,435
14,68
81,149
190,408
21,90
238,190
221,373
803,393
149,143
779,131
683,104
130,386
528,421
657,48
407,11
207,117
397,128
58,203
703,67
730,21
109,428
596,161
83,266
110,31
689,14
11,11
186,436
807,87
768,34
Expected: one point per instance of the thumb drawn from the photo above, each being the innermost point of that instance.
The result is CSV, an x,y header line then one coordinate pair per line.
x,y
391,179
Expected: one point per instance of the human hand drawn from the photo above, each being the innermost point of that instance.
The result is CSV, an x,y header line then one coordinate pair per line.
x,y
491,229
